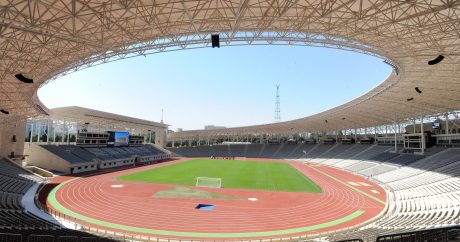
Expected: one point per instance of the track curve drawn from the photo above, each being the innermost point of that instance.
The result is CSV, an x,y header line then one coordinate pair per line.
x,y
102,201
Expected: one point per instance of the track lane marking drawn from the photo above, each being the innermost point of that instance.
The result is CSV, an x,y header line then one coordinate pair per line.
x,y
56,205
348,185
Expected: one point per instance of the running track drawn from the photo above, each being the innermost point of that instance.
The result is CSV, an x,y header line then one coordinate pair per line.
x,y
131,208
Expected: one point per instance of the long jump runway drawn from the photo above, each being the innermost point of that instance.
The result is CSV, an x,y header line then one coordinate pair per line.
x,y
102,201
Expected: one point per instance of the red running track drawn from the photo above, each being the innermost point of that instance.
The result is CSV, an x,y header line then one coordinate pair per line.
x,y
133,204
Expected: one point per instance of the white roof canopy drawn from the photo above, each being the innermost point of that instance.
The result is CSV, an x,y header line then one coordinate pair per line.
x,y
44,39
99,118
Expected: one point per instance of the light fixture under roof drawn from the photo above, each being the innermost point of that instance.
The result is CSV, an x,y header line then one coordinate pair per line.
x,y
24,79
436,60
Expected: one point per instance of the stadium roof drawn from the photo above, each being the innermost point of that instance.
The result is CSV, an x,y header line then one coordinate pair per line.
x,y
44,39
95,117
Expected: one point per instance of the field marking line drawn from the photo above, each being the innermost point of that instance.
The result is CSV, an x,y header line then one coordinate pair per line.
x,y
365,184
375,191
350,186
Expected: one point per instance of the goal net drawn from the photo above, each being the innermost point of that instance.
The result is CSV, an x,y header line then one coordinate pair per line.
x,y
208,182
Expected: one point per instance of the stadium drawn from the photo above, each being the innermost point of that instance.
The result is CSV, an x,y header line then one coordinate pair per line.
x,y
384,166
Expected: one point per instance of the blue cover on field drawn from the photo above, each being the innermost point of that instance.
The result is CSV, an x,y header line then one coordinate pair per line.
x,y
208,207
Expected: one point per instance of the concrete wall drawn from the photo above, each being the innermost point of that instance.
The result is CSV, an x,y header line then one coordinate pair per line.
x,y
41,157
110,164
160,137
39,171
82,167
7,131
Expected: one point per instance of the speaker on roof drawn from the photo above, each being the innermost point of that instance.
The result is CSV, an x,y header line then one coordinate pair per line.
x,y
436,60
24,79
4,111
417,89
215,41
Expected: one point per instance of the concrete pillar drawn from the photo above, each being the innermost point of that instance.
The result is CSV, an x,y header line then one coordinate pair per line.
x,y
396,139
47,131
39,130
447,129
423,135
7,144
54,134
160,137
31,131
150,136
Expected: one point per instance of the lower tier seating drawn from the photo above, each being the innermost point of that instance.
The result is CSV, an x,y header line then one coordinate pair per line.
x,y
17,224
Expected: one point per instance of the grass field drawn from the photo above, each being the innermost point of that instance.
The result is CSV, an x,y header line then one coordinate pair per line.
x,y
274,176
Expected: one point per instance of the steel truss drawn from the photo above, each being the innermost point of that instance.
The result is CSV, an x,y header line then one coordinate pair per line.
x,y
45,39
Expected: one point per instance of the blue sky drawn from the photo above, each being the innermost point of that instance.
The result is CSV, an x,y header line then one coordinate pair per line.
x,y
231,86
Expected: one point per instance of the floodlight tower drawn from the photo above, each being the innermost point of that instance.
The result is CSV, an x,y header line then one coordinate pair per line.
x,y
277,105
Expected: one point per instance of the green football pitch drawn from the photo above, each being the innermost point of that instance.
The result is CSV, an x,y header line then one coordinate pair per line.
x,y
274,176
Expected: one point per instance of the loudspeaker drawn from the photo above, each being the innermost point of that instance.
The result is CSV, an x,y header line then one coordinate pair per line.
x,y
4,111
23,78
418,90
410,99
436,60
215,41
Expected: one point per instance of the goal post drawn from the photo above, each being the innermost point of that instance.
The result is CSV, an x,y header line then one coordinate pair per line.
x,y
208,182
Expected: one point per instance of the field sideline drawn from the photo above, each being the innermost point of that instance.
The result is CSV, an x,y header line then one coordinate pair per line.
x,y
258,175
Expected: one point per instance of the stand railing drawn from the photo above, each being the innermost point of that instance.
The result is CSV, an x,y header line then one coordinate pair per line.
x,y
444,234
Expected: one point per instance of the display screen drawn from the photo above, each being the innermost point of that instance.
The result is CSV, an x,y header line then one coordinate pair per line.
x,y
435,125
121,138
118,139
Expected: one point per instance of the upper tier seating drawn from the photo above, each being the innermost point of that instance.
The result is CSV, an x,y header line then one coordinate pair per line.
x,y
432,162
67,155
284,151
318,150
337,150
269,150
384,156
76,154
404,159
